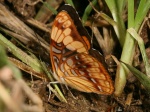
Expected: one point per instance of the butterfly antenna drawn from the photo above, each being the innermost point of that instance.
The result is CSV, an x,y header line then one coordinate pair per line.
x,y
93,22
93,7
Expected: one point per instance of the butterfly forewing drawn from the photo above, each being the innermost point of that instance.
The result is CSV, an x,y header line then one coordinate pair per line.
x,y
71,62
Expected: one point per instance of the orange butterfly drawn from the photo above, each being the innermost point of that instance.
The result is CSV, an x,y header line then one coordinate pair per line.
x,y
73,60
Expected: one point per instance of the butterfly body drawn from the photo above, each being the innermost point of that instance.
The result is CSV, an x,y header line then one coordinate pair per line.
x,y
72,63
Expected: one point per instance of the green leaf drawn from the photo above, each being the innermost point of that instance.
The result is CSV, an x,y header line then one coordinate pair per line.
x,y
145,81
88,11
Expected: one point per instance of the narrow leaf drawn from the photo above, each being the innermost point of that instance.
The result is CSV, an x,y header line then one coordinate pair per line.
x,y
145,81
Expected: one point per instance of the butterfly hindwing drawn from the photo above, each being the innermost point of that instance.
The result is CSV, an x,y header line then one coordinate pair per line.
x,y
84,71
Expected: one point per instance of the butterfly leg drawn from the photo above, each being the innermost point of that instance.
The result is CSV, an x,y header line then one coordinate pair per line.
x,y
51,89
63,81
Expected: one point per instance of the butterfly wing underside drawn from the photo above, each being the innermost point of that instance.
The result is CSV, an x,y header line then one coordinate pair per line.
x,y
71,62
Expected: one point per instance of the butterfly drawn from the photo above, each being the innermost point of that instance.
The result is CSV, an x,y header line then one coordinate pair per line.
x,y
74,62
